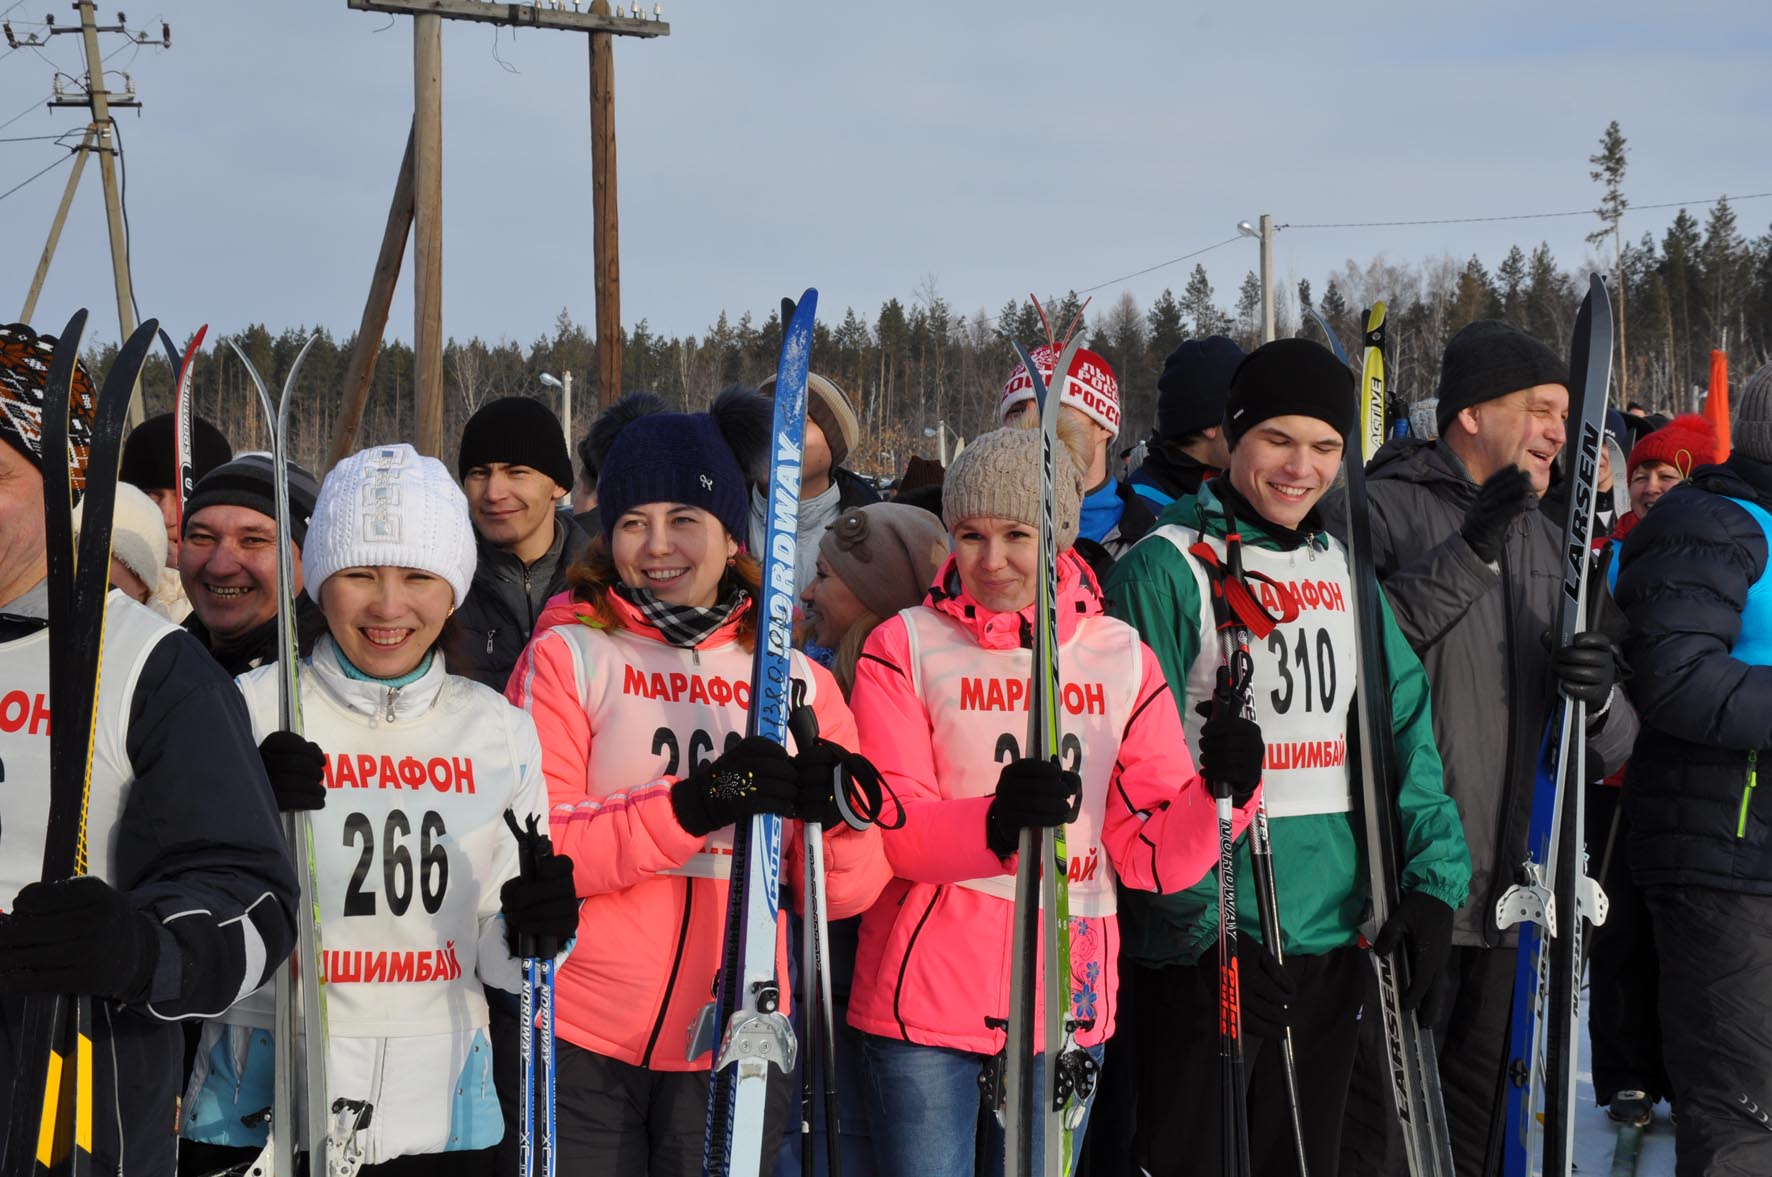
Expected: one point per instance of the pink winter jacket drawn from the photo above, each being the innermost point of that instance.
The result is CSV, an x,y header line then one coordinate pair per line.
x,y
934,957
652,922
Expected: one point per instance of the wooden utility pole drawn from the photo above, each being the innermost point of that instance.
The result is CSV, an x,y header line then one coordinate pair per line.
x,y
100,137
418,200
605,250
427,230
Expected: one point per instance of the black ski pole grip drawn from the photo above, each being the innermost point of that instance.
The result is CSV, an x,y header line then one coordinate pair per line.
x,y
526,854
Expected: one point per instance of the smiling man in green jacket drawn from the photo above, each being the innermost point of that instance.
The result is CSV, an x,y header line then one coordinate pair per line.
x,y
1291,404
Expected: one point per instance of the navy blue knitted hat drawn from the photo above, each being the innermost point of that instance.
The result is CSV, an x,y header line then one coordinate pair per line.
x,y
1194,386
673,458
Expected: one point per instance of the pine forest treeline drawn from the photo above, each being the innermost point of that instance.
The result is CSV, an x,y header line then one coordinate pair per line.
x,y
917,361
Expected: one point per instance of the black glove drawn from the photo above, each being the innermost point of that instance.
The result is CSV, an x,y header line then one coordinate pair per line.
x,y
540,906
1506,496
753,776
1587,668
1031,794
78,936
297,769
1264,991
815,772
1428,925
1232,749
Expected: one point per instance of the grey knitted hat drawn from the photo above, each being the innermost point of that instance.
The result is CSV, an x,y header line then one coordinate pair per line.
x,y
1751,431
886,553
998,475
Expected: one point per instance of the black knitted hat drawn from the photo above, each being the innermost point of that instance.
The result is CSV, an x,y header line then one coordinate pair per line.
x,y
148,459
520,432
1194,386
1491,358
247,482
1289,377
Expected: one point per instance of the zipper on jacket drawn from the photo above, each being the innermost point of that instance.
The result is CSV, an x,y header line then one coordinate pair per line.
x,y
1505,865
664,1005
1747,794
393,694
490,634
905,964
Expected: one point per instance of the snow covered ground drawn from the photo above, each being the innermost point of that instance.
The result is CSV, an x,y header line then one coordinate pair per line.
x,y
1595,1134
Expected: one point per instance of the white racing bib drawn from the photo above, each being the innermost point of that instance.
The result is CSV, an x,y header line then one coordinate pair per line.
x,y
1304,671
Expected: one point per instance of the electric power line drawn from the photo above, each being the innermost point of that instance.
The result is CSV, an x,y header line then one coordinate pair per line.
x,y
1578,212
64,159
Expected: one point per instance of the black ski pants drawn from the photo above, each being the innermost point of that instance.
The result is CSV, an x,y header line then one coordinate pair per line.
x,y
1178,1071
1623,1021
1716,973
617,1118
1473,1003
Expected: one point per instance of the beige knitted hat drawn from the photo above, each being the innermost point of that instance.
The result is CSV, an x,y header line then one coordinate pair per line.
x,y
998,475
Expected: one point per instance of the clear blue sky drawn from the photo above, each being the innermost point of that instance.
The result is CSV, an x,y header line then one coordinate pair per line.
x,y
997,147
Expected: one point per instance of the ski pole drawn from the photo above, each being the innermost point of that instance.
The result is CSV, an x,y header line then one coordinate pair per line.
x,y
815,969
1233,1125
526,950
549,1138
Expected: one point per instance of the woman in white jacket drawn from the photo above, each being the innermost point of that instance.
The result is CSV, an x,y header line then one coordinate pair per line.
x,y
408,778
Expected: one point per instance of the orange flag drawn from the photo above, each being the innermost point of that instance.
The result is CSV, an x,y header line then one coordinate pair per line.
x,y
1716,404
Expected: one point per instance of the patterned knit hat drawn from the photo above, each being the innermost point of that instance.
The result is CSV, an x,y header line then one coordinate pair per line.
x,y
1091,387
997,475
1685,443
1751,429
673,458
24,374
390,506
249,481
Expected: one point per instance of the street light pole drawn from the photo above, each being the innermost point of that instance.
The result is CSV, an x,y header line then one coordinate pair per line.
x,y
565,387
1266,236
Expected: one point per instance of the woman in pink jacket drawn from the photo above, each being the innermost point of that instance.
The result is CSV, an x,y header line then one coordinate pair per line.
x,y
940,701
639,686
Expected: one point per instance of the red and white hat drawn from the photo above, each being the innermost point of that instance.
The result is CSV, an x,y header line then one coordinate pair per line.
x,y
1090,387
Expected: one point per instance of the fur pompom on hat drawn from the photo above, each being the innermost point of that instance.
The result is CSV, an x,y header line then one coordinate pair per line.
x,y
593,447
390,506
138,533
997,475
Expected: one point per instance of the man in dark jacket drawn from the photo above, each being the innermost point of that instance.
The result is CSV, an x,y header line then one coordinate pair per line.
x,y
1692,581
228,562
515,471
189,898
1473,573
1188,445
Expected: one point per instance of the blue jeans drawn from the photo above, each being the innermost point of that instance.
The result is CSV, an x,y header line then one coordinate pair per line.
x,y
923,1110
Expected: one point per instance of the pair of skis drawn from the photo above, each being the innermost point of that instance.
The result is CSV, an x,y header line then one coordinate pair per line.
x,y
1042,893
50,1125
1553,892
299,993
746,1013
1411,1057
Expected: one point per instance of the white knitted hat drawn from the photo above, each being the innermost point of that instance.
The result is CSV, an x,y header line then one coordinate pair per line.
x,y
389,506
138,533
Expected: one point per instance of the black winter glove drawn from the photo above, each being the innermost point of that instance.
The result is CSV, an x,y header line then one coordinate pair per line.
x,y
815,776
1232,749
1506,496
754,776
1427,922
1587,668
297,769
1031,794
1264,991
78,936
540,906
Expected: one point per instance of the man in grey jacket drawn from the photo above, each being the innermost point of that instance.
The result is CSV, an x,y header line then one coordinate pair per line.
x,y
1473,573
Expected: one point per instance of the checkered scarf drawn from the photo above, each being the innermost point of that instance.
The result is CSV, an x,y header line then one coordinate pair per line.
x,y
685,626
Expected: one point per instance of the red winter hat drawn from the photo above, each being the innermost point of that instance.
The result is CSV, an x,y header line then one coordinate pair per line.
x,y
1091,387
1685,443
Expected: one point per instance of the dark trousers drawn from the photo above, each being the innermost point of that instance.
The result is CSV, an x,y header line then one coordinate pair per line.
x,y
1178,1109
1623,984
1474,1002
1107,1148
1716,973
617,1118
196,1159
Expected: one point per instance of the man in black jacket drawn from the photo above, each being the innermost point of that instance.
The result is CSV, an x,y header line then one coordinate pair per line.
x,y
1188,445
228,562
189,898
1473,572
514,468
1693,582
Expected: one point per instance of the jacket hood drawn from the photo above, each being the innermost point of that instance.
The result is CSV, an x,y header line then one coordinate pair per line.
x,y
561,609
1079,595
